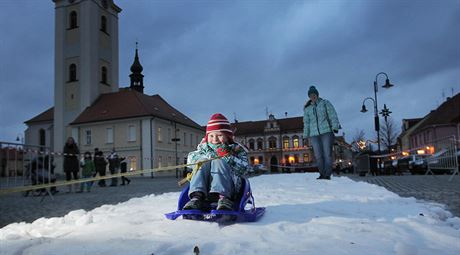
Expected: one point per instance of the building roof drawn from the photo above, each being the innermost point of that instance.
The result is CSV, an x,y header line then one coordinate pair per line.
x,y
447,113
257,127
45,116
128,103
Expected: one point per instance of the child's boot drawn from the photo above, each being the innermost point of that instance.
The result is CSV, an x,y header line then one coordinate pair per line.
x,y
224,203
196,202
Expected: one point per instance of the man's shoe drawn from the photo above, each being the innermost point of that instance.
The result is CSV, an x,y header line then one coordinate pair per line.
x,y
320,177
225,204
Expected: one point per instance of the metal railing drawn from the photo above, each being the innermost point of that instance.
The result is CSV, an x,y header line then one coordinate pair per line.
x,y
22,165
445,157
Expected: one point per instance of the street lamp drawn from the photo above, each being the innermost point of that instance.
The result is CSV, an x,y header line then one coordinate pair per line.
x,y
376,116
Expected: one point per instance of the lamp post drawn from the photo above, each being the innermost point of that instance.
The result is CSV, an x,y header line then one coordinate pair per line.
x,y
387,85
175,140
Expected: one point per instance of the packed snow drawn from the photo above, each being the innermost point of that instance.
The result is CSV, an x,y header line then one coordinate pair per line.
x,y
303,216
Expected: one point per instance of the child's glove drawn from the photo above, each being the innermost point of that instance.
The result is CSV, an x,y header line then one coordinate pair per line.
x,y
223,151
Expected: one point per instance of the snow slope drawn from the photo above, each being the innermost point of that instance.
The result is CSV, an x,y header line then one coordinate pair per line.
x,y
303,216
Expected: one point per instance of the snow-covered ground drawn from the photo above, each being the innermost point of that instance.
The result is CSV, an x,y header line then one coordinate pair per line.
x,y
303,216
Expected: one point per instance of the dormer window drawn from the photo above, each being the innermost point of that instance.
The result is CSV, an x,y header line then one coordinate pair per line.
x,y
73,20
72,72
104,24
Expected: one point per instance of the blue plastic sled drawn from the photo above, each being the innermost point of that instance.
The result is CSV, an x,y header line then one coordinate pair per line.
x,y
244,211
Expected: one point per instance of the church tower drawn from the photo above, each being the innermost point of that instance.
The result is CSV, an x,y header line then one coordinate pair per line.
x,y
136,76
86,59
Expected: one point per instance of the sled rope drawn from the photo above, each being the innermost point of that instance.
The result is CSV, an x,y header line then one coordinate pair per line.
x,y
93,179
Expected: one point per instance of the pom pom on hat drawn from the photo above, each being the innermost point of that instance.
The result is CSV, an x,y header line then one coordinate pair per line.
x,y
313,90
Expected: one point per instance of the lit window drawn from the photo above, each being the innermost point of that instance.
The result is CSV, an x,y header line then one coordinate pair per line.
x,y
285,142
132,163
295,141
306,158
160,161
159,138
109,138
131,133
88,137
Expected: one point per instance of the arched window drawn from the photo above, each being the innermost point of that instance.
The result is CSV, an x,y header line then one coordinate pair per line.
x,y
251,144
285,142
295,141
72,72
73,20
104,24
272,143
260,144
104,75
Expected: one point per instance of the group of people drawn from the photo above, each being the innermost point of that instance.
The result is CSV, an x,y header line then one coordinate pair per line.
x,y
91,166
222,162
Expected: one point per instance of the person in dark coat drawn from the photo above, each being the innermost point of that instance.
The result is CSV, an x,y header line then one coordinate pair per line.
x,y
101,165
124,169
71,164
114,166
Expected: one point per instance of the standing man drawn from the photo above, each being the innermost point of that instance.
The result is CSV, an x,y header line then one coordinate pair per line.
x,y
320,122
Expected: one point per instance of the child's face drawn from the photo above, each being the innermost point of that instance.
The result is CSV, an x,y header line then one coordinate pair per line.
x,y
217,137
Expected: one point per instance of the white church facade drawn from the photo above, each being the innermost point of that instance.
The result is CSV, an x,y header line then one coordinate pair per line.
x,y
90,106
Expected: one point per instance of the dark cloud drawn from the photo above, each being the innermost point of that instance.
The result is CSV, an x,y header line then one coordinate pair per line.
x,y
242,57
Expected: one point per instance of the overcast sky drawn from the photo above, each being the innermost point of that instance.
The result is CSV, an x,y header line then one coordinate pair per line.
x,y
243,57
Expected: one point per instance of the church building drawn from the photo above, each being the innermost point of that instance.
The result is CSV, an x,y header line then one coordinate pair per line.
x,y
90,106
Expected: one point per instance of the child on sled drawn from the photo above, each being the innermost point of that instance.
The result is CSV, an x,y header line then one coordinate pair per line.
x,y
219,179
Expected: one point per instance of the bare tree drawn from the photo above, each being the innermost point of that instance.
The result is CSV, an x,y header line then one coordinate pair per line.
x,y
359,136
388,133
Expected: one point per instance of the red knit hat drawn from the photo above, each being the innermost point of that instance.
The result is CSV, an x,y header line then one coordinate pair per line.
x,y
218,122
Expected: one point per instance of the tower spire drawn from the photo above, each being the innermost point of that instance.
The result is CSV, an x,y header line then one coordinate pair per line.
x,y
136,76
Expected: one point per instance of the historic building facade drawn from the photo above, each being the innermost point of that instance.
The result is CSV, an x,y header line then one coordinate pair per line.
x,y
89,105
276,143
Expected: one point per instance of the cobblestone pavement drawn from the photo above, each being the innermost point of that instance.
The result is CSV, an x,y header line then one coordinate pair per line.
x,y
434,188
16,208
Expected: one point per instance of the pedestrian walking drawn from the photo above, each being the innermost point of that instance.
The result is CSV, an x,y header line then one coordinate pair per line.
x,y
71,166
320,123
124,169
